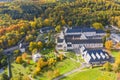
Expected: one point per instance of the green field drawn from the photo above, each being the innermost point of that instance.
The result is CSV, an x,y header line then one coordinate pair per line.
x,y
115,53
91,74
94,74
63,66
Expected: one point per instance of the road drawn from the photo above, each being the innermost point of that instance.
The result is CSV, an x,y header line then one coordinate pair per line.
x,y
71,72
116,28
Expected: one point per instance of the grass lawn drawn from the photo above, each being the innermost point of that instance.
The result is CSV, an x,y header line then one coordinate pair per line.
x,y
63,66
92,74
115,53
67,65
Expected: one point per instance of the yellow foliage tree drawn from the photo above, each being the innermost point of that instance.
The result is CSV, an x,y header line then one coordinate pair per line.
x,y
58,28
33,24
39,44
26,78
56,73
19,59
51,61
61,56
108,44
24,56
97,25
46,22
40,63
107,66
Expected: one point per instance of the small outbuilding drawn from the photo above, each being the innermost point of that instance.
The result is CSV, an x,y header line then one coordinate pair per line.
x,y
36,57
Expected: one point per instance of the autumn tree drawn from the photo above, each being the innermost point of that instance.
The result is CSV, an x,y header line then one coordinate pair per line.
x,y
63,22
39,45
50,75
25,77
46,22
97,25
107,66
33,24
35,45
24,56
19,59
58,28
116,65
108,44
61,56
56,73
51,61
40,63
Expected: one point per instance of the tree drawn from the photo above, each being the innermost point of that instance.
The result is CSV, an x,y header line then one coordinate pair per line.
x,y
108,44
56,73
25,77
40,63
61,56
50,75
46,22
36,71
118,23
3,76
97,25
24,56
33,24
16,52
51,61
19,59
17,77
116,65
58,28
39,44
118,76
107,66
32,46
70,23
63,22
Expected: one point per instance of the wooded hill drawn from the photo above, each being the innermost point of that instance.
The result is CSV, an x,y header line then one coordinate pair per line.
x,y
22,19
78,12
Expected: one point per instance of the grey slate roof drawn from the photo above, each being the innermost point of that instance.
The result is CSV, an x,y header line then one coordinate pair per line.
x,y
72,36
100,31
60,40
78,29
95,52
87,41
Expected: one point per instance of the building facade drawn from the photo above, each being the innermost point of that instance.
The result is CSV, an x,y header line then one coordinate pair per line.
x,y
73,38
95,56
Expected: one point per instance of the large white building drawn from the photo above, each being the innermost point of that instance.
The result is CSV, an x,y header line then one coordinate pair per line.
x,y
95,56
73,38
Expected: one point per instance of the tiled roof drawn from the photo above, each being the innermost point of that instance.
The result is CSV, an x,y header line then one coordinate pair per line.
x,y
60,40
87,41
72,36
100,31
78,29
98,55
94,37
